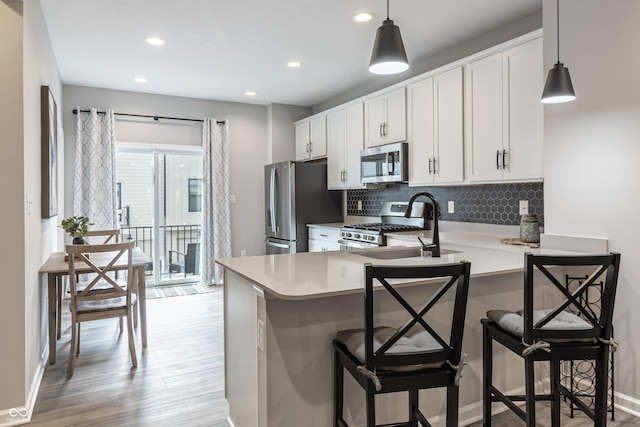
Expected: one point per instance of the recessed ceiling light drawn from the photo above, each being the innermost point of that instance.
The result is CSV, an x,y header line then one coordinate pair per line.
x,y
140,79
250,93
363,17
294,64
155,41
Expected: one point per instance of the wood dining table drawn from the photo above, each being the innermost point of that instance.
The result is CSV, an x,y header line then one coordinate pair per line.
x,y
56,268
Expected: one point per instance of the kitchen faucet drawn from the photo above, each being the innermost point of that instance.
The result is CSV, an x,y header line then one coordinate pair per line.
x,y
434,247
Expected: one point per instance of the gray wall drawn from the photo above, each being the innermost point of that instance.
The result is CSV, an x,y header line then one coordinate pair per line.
x,y
446,56
592,148
247,136
27,63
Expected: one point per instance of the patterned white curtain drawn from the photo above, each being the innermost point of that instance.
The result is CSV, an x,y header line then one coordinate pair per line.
x,y
95,175
215,241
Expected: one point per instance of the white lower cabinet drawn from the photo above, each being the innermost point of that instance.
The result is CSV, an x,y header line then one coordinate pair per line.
x,y
323,238
435,129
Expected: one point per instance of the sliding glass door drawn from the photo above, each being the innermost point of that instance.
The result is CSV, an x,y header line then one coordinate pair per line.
x,y
159,206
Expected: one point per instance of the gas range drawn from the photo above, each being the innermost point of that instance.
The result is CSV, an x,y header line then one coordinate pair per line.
x,y
392,220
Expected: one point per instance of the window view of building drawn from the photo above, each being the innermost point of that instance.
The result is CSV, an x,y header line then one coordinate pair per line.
x,y
167,230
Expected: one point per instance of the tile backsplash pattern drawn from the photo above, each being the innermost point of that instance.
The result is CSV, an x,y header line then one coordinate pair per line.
x,y
486,204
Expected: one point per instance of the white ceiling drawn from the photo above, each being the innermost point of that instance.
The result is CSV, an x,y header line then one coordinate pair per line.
x,y
219,49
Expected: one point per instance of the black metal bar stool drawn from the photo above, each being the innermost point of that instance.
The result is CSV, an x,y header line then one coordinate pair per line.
x,y
412,357
568,331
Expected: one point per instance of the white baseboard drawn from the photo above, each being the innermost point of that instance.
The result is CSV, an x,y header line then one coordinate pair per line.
x,y
22,415
627,404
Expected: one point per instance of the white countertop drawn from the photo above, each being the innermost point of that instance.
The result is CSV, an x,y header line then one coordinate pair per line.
x,y
310,275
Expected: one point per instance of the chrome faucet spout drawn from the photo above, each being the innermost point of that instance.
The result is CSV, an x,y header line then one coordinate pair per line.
x,y
435,245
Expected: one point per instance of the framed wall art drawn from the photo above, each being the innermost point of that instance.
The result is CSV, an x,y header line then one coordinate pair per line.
x,y
49,153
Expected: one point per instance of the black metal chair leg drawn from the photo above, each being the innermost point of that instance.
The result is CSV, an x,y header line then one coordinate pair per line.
x,y
554,380
413,407
371,406
453,394
487,372
530,391
602,371
338,388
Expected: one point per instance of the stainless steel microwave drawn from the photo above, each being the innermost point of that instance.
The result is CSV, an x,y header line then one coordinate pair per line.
x,y
386,163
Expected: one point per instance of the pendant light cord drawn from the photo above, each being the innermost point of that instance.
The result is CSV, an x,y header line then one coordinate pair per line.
x,y
558,25
387,9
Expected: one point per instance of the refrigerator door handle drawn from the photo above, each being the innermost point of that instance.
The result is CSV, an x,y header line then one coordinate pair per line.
x,y
277,245
272,201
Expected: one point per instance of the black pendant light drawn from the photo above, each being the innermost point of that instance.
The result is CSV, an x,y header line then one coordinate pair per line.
x,y
558,87
388,56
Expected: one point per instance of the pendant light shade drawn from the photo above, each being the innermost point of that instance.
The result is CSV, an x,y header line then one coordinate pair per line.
x,y
558,87
388,56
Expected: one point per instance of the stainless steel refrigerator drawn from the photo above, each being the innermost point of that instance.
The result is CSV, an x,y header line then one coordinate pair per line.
x,y
296,195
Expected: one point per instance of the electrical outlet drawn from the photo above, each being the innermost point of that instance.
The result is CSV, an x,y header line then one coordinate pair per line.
x,y
359,205
243,252
524,207
232,198
450,207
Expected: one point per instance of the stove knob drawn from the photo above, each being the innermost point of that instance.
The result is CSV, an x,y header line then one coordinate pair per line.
x,y
371,237
356,236
346,234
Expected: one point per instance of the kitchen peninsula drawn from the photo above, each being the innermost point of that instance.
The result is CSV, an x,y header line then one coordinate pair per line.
x,y
282,311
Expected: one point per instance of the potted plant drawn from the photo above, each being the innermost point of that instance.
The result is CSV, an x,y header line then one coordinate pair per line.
x,y
77,227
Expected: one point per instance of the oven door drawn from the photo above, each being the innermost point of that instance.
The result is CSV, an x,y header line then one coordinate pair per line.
x,y
346,245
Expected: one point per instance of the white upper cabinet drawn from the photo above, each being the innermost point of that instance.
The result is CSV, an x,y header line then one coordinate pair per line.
x,y
311,138
435,129
503,115
386,118
345,139
523,130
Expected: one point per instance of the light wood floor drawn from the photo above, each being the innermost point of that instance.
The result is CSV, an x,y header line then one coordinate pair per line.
x,y
543,415
179,380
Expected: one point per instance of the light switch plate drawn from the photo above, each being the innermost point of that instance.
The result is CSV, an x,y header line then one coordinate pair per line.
x,y
261,332
232,198
524,207
451,207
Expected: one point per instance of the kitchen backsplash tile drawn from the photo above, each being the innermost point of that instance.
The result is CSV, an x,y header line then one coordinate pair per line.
x,y
486,204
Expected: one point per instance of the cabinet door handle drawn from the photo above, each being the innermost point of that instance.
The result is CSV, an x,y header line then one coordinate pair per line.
x,y
310,147
384,129
430,160
380,130
498,159
345,175
435,169
504,159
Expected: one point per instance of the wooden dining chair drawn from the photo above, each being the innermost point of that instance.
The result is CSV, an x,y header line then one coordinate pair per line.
x,y
556,324
92,237
422,353
103,296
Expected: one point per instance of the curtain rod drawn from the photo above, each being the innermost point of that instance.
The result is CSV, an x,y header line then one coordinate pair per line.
x,y
156,118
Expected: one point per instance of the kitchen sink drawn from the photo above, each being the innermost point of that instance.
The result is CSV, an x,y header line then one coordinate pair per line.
x,y
396,253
